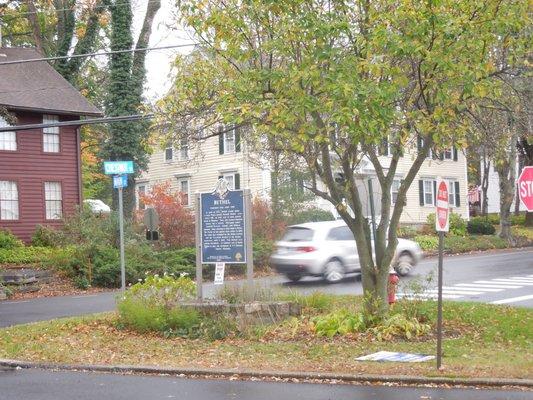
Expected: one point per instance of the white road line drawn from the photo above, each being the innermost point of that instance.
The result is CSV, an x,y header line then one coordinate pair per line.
x,y
15,302
465,292
513,299
472,287
84,296
521,278
513,285
488,286
513,281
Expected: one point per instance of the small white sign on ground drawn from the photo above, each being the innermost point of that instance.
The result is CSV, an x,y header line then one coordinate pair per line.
x,y
219,273
394,356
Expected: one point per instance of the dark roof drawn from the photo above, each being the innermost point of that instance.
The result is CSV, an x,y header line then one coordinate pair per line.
x,y
37,86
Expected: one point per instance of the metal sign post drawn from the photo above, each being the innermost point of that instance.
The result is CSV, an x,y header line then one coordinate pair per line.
x,y
121,229
249,242
119,170
442,223
198,231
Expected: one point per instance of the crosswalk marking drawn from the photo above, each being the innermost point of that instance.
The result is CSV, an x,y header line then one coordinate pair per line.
x,y
507,284
513,299
473,288
514,281
481,286
476,288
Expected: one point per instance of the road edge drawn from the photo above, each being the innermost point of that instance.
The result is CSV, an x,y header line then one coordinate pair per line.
x,y
250,374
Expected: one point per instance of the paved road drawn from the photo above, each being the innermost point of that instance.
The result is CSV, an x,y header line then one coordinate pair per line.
x,y
53,385
502,277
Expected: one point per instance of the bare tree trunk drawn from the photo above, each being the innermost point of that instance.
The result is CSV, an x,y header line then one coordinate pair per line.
x,y
35,26
517,195
485,184
506,169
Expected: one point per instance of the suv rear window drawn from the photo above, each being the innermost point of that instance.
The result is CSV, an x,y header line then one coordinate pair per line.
x,y
340,233
298,235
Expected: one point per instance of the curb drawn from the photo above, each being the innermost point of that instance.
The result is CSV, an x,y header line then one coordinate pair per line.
x,y
249,374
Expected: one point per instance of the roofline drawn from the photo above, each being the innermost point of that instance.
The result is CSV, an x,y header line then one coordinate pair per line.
x,y
52,111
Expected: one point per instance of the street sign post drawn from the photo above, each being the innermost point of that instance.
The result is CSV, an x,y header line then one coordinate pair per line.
x,y
223,230
525,188
119,170
442,225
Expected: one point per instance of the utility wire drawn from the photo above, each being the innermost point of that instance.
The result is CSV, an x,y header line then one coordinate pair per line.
x,y
89,121
102,53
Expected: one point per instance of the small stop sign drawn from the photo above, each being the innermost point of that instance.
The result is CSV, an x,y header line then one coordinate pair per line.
x,y
525,187
443,210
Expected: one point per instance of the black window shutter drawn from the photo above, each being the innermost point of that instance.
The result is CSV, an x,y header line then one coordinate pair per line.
x,y
457,195
237,139
454,150
441,155
434,193
237,181
220,140
220,177
421,191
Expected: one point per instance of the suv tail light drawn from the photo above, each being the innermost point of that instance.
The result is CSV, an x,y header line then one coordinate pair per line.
x,y
306,249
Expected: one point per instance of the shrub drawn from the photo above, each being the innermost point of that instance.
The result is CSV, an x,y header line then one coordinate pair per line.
x,y
8,240
400,326
457,224
519,219
153,306
24,255
456,244
427,242
313,214
264,226
262,251
45,236
340,322
316,301
176,221
407,232
480,226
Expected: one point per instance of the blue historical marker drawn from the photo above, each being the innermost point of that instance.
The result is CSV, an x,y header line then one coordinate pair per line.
x,y
223,236
118,167
120,181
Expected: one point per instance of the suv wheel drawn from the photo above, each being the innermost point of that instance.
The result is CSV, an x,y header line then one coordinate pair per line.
x,y
333,271
405,264
294,277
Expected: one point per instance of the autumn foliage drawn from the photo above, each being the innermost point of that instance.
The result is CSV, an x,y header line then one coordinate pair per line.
x,y
263,224
176,221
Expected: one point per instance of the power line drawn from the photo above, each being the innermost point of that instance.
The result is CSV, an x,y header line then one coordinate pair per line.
x,y
89,121
102,53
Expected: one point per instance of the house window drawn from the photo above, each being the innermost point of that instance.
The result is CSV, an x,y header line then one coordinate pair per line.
x,y
50,135
169,154
9,201
53,200
448,154
429,194
141,191
233,179
395,187
454,194
8,140
229,142
184,188
184,150
421,145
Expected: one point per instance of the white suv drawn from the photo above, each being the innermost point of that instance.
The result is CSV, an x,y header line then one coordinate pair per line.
x,y
328,249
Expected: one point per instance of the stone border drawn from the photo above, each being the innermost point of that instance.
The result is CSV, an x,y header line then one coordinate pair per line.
x,y
249,374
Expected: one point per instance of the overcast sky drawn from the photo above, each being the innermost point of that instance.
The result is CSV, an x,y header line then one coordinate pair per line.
x,y
165,32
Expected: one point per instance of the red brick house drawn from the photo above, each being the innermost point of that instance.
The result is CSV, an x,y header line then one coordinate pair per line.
x,y
40,169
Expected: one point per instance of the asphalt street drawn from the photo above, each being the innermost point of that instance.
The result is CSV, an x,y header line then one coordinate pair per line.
x,y
59,385
499,277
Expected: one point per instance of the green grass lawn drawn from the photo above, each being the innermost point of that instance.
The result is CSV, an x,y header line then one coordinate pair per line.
x,y
480,341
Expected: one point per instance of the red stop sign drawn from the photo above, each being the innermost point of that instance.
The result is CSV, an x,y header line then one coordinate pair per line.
x,y
442,207
525,187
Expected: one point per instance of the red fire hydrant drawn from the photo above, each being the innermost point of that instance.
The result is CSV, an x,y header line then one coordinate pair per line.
x,y
393,282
